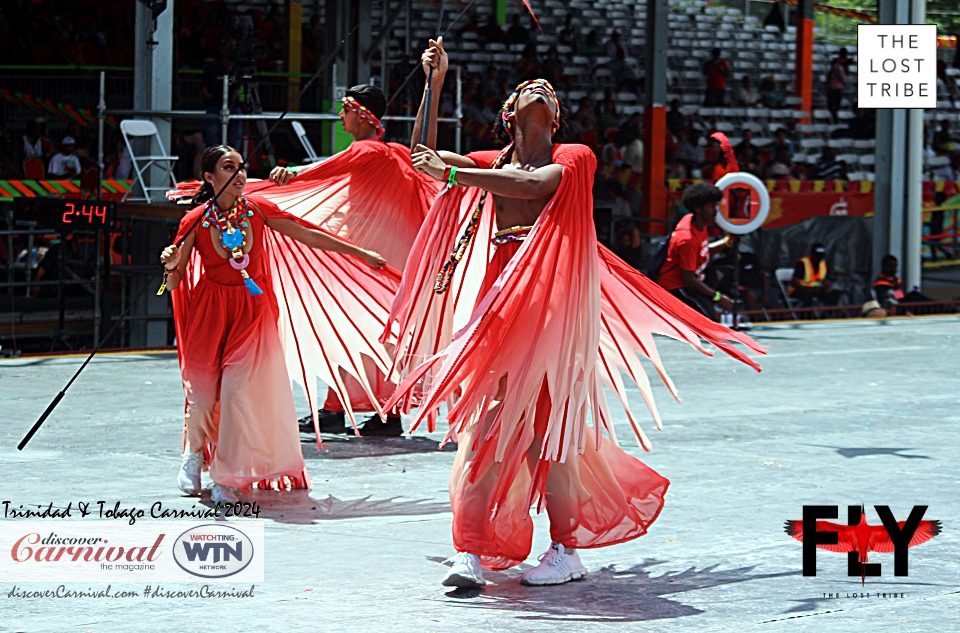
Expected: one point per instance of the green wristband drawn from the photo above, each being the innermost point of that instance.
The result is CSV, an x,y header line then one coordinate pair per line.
x,y
717,297
452,178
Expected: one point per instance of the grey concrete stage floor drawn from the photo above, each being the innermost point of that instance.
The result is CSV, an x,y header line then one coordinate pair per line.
x,y
844,413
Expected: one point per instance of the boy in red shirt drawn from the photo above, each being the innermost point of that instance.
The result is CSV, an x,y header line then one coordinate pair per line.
x,y
682,271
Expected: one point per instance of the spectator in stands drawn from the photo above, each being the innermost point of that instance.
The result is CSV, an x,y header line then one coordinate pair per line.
x,y
632,145
747,96
946,86
628,247
614,46
65,164
780,167
517,33
472,25
34,143
491,33
211,91
775,18
624,76
608,117
592,46
829,168
675,119
552,70
681,273
674,169
528,66
810,279
610,152
569,36
745,151
716,70
780,140
770,94
845,60
836,80
689,152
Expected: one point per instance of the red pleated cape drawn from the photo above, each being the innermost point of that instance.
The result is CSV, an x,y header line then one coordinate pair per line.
x,y
565,315
330,307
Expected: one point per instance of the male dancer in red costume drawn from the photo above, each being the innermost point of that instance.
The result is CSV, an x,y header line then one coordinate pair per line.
x,y
370,195
557,318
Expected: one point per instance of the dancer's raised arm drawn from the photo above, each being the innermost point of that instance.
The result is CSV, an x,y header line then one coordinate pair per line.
x,y
435,57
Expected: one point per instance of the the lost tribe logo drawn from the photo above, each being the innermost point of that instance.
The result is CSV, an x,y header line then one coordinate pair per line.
x,y
213,551
859,538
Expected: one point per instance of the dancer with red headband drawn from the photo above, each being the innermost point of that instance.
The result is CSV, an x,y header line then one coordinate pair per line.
x,y
254,289
370,195
557,318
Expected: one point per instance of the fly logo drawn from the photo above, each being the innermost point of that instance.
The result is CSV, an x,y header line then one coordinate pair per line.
x,y
213,551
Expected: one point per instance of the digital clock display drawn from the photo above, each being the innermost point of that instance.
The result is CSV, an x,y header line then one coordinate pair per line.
x,y
65,212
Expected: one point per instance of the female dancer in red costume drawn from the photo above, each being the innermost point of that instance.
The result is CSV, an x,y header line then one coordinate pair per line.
x,y
558,318
370,195
234,279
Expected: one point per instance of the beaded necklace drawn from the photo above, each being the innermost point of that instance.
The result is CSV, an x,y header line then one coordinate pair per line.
x,y
233,235
446,272
351,104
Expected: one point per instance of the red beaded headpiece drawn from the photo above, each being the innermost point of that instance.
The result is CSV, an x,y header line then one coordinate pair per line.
x,y
351,104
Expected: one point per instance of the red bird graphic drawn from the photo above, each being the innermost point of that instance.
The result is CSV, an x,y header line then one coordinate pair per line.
x,y
863,538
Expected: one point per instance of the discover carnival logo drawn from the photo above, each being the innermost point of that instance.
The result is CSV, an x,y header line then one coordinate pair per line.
x,y
107,551
213,550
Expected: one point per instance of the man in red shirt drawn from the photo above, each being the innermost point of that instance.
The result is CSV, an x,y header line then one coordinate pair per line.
x,y
716,70
689,251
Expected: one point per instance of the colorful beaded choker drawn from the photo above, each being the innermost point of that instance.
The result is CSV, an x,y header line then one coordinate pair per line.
x,y
233,236
351,104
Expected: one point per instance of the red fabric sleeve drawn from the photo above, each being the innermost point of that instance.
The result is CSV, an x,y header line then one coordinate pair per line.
x,y
484,159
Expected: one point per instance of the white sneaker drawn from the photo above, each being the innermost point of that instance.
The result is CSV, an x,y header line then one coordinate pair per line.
x,y
189,478
223,494
556,567
466,572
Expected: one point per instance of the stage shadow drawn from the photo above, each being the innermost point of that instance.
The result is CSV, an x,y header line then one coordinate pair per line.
x,y
353,447
607,595
850,453
298,507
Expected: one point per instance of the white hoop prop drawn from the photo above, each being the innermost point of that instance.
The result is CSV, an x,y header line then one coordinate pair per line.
x,y
759,203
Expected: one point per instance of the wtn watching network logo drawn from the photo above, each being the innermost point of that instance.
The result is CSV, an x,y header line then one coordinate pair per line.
x,y
859,538
213,550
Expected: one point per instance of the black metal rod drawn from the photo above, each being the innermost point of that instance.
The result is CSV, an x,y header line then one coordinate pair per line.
x,y
404,83
428,93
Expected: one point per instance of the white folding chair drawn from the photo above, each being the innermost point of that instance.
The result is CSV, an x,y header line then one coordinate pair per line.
x,y
784,275
142,163
305,141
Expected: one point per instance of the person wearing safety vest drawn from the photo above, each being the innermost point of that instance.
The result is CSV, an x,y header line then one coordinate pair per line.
x,y
810,279
888,288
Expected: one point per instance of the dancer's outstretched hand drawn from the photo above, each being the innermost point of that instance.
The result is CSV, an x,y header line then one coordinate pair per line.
x,y
434,56
170,256
374,260
281,175
427,161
